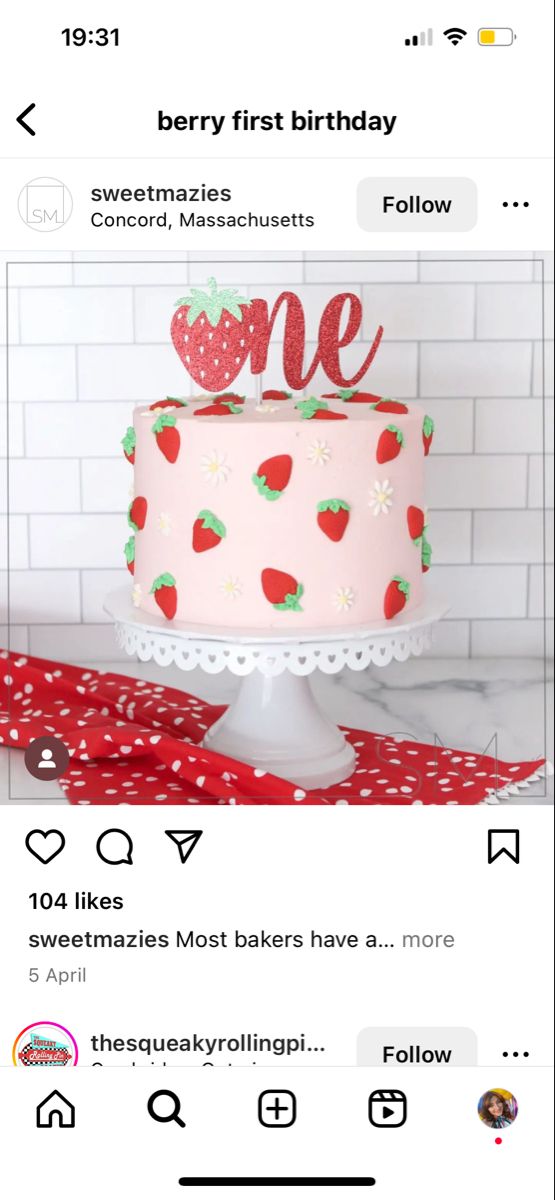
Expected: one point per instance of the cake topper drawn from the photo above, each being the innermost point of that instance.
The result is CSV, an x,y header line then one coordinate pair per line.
x,y
215,332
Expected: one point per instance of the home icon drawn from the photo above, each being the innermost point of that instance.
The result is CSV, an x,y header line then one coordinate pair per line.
x,y
55,1110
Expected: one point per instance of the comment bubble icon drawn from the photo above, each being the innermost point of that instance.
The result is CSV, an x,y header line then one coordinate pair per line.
x,y
115,848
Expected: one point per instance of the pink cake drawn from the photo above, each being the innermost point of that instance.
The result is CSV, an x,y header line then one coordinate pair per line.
x,y
289,513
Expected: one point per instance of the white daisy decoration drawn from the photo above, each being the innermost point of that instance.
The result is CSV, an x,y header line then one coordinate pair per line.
x,y
165,523
231,587
215,467
137,595
319,453
343,599
380,497
266,408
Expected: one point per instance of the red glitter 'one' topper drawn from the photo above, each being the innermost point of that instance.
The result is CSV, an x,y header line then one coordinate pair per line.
x,y
214,333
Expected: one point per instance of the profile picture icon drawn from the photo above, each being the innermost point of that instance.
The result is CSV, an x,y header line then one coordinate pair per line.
x,y
497,1109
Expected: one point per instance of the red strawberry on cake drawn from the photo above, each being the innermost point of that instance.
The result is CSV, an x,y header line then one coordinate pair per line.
x,y
282,590
426,554
416,521
317,410
390,444
165,594
129,551
333,518
208,531
396,596
220,408
273,475
129,442
211,334
352,396
136,513
167,436
427,433
275,394
389,406
169,402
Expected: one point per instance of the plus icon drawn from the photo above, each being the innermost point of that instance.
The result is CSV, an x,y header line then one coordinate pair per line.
x,y
277,1110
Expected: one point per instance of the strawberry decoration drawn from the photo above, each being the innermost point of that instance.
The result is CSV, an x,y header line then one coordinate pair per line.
x,y
275,394
211,335
317,410
427,433
416,521
426,553
136,513
220,408
389,406
165,594
169,402
351,395
208,531
129,551
167,436
396,596
273,475
129,442
333,518
390,444
282,590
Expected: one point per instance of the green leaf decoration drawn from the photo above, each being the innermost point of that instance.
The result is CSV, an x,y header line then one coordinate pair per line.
x,y
164,580
233,408
333,506
426,552
210,521
268,493
402,584
129,549
394,429
213,303
162,422
307,408
291,602
130,440
428,426
347,393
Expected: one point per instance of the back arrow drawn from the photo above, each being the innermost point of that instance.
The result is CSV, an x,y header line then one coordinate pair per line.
x,y
21,121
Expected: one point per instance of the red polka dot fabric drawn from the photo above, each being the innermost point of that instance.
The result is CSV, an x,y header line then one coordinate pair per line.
x,y
135,742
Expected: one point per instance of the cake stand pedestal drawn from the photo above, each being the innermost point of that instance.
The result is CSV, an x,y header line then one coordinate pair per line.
x,y
275,724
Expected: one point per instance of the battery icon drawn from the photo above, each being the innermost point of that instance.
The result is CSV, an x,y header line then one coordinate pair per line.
x,y
495,37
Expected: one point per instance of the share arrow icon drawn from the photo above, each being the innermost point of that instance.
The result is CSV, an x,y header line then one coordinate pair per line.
x,y
185,840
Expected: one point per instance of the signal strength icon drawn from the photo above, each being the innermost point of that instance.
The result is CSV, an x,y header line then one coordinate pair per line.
x,y
426,38
454,35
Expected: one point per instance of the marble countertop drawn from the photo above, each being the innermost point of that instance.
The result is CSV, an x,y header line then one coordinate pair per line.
x,y
464,702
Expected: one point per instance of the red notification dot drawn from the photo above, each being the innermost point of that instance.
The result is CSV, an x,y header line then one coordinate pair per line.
x,y
498,1141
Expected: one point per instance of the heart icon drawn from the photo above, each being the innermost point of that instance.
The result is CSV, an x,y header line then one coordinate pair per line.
x,y
45,844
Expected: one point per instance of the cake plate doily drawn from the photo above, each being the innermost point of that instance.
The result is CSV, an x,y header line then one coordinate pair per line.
x,y
275,723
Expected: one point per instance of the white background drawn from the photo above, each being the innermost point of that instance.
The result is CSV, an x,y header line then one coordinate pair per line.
x,y
386,871
117,1150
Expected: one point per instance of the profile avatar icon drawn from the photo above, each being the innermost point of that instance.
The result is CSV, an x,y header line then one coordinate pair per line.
x,y
497,1108
46,758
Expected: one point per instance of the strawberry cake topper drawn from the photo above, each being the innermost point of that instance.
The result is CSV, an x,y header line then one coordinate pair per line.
x,y
216,331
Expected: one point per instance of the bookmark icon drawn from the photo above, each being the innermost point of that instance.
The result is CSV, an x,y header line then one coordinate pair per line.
x,y
185,840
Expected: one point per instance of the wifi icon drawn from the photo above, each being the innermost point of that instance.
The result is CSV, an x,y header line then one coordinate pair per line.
x,y
454,35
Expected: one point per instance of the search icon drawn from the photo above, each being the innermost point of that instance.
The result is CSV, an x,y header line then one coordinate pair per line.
x,y
165,1115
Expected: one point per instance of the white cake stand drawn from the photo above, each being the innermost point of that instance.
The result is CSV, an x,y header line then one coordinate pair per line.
x,y
275,723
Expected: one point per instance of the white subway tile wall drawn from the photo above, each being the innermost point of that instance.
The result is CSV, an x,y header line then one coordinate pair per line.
x,y
88,339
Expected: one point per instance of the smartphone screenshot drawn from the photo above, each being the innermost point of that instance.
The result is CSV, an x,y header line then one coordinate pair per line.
x,y
276,592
